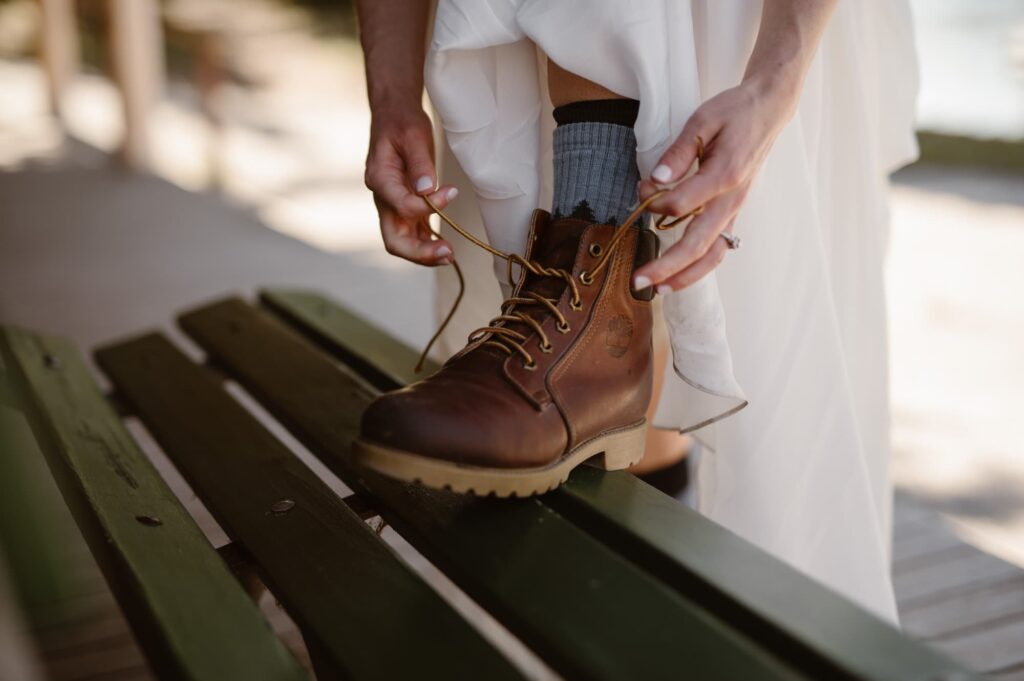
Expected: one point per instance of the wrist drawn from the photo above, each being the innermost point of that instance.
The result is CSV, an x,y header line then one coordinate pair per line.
x,y
398,117
779,84
787,41
395,97
778,77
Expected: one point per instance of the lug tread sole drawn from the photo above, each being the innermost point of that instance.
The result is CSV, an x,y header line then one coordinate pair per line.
x,y
612,450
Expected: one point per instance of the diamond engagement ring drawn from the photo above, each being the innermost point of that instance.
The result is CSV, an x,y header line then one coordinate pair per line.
x,y
731,240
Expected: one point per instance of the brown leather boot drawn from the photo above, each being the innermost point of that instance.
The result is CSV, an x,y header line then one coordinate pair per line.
x,y
561,377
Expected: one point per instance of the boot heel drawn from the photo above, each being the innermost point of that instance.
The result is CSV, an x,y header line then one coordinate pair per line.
x,y
620,450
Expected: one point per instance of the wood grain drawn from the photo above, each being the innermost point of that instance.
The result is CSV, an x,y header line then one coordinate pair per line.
x,y
188,613
353,598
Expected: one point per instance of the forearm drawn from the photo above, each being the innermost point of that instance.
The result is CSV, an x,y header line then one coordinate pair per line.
x,y
787,41
393,35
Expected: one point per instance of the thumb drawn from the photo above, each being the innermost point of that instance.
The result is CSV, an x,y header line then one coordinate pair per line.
x,y
419,163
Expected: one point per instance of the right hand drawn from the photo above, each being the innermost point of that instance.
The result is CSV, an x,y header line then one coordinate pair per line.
x,y
399,171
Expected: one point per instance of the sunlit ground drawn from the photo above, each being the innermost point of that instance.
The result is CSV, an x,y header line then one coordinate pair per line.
x,y
292,149
956,296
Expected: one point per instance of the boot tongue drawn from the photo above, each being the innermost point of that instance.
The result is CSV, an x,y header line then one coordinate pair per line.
x,y
556,247
557,243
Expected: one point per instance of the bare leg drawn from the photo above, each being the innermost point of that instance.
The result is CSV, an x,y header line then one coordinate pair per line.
x,y
664,447
565,87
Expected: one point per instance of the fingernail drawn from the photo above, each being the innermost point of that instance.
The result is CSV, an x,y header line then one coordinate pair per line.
x,y
662,173
452,193
663,289
641,282
424,183
443,252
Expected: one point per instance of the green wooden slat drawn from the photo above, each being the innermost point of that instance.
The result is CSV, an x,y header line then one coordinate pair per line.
x,y
190,615
768,598
338,580
8,395
758,594
34,525
586,610
380,358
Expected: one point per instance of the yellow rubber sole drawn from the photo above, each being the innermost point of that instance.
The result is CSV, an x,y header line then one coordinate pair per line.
x,y
614,450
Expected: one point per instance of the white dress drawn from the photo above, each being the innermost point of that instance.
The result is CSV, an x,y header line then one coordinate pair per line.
x,y
787,339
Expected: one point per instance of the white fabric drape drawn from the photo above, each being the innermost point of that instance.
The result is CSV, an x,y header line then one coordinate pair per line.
x,y
796,317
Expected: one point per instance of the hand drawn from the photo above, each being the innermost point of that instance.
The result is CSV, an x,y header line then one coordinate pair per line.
x,y
399,171
738,127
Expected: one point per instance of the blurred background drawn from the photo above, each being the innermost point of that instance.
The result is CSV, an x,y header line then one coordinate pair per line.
x,y
158,154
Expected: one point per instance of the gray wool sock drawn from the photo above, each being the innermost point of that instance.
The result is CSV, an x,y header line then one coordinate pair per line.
x,y
595,171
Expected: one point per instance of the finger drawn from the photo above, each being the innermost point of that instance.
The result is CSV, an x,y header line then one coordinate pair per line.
x,y
716,176
645,188
678,158
697,271
426,232
391,188
418,153
699,238
407,241
441,198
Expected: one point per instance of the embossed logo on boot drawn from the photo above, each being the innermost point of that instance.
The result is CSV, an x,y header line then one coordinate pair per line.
x,y
618,334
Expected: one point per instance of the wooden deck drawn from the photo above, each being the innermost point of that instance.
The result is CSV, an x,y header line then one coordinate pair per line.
x,y
956,597
952,595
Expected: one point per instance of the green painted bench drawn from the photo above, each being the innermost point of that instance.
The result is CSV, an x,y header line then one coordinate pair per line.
x,y
605,578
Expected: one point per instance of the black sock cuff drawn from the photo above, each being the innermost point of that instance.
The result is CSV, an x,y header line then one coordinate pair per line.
x,y
615,111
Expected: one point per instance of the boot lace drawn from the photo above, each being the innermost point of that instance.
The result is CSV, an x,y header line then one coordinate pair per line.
x,y
512,341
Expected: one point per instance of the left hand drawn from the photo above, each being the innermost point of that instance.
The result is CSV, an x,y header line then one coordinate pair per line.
x,y
738,127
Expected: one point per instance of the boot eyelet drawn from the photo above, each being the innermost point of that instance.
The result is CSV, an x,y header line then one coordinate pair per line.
x,y
546,348
586,278
563,328
576,306
532,366
595,249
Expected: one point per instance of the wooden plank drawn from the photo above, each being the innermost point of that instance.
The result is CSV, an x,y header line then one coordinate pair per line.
x,y
91,632
967,611
8,395
906,509
754,592
944,579
19,658
106,659
945,554
34,525
351,595
584,609
991,648
752,589
191,617
922,539
1011,673
381,359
